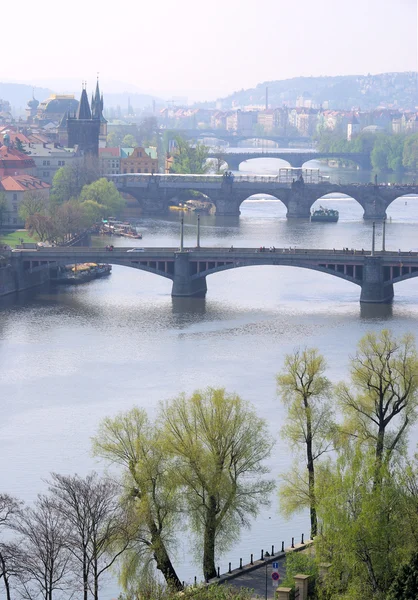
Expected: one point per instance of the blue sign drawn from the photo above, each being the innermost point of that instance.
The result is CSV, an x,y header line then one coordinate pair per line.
x,y
275,565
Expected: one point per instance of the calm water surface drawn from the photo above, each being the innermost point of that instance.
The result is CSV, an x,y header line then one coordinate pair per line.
x,y
73,356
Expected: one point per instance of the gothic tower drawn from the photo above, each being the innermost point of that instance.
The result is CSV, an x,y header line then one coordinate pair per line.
x,y
84,127
97,113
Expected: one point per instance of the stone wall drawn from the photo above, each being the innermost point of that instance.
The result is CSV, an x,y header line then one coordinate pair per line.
x,y
14,280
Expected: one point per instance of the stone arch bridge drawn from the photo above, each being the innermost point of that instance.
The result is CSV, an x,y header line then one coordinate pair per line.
x,y
156,192
295,158
188,269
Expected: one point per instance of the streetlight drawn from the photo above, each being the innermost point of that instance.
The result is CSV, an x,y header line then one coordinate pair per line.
x,y
182,235
384,235
198,231
373,237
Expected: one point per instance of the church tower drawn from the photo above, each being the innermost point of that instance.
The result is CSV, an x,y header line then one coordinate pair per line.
x,y
84,127
97,113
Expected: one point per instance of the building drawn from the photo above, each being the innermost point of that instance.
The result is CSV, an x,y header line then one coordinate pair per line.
x,y
353,128
241,122
84,128
54,108
138,160
31,109
13,162
15,189
109,161
48,158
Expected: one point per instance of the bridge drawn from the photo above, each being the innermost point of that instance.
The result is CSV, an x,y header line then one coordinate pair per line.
x,y
374,273
232,137
155,193
295,159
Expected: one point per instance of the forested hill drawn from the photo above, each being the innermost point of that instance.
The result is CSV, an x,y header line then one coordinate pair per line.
x,y
397,90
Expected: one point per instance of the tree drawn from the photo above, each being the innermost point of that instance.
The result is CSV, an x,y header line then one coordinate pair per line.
x,y
3,207
410,153
42,226
96,534
405,584
134,443
69,180
9,508
360,525
92,212
68,219
380,402
148,131
219,444
19,146
105,193
33,203
219,163
304,390
188,158
129,141
113,139
44,555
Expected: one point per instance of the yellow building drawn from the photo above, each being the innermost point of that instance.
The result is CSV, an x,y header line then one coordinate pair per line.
x,y
138,160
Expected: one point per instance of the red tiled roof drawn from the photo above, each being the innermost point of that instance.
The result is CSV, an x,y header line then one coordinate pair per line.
x,y
12,154
22,183
109,152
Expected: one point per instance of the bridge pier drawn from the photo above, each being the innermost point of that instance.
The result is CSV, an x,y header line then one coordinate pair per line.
x,y
374,289
374,208
183,284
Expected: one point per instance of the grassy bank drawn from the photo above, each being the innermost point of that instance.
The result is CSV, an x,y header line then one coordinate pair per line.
x,y
13,238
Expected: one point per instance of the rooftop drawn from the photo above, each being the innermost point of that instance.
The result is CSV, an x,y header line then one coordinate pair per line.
x,y
22,183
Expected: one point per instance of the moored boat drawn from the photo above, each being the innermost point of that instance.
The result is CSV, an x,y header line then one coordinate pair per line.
x,y
328,215
81,273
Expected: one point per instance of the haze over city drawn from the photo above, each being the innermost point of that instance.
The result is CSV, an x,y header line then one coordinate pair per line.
x,y
206,50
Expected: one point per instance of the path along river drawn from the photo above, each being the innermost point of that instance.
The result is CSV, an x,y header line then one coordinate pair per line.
x,y
71,356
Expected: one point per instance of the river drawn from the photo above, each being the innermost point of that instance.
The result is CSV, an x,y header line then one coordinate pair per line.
x,y
71,356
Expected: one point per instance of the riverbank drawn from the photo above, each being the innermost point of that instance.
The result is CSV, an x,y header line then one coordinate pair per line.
x,y
13,280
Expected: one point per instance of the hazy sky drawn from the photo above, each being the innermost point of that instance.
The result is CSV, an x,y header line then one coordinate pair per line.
x,y
203,49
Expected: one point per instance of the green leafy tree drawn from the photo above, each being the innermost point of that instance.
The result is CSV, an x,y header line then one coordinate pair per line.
x,y
19,146
69,180
129,141
105,193
190,159
92,212
152,495
219,444
305,391
361,525
380,401
410,153
114,139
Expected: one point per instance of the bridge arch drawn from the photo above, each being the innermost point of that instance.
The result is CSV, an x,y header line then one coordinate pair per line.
x,y
355,278
267,197
342,204
404,198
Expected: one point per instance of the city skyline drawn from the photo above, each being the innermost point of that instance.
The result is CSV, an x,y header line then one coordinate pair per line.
x,y
227,47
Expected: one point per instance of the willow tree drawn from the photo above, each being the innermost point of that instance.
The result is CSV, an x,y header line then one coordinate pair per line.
x,y
304,390
219,445
151,497
381,399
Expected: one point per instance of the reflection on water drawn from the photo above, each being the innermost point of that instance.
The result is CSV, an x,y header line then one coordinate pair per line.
x,y
71,356
376,311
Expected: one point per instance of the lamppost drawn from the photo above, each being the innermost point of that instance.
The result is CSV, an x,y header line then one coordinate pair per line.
x,y
182,235
384,235
198,231
373,237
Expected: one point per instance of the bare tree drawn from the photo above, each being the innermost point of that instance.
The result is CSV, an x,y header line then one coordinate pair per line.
x,y
44,557
9,508
97,534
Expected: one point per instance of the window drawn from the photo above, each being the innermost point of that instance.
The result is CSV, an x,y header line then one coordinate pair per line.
x,y
61,163
45,174
14,221
46,163
14,207
14,197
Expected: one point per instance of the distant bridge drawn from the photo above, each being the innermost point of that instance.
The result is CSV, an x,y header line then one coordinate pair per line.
x,y
295,159
234,138
188,268
155,193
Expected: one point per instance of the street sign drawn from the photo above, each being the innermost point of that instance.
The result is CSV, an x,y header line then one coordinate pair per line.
x,y
275,565
275,576
275,583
